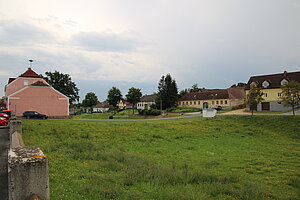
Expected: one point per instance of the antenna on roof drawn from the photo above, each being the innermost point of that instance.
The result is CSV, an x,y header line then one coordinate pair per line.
x,y
30,63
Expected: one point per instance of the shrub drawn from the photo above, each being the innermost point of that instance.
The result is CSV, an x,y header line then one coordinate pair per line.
x,y
149,112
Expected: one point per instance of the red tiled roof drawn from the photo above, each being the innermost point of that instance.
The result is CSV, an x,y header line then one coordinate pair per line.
x,y
40,83
274,79
11,80
30,73
232,93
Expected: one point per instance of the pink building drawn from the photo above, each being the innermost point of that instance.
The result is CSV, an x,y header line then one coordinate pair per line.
x,y
30,92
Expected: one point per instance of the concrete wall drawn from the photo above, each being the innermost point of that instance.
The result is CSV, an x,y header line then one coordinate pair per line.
x,y
274,106
27,167
28,173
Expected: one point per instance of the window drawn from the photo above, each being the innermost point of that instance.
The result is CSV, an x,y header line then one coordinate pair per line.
x,y
217,102
225,101
194,102
284,82
221,102
265,94
265,84
25,82
279,94
183,103
191,103
213,102
198,102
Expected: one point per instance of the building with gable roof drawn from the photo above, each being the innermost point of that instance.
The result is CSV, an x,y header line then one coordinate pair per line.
x,y
146,101
30,92
271,85
226,98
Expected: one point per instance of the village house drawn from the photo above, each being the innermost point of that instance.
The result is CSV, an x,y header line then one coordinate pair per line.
x,y
146,101
271,85
226,98
30,92
101,108
124,104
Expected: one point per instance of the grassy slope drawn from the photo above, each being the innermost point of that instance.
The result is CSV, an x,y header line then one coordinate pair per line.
x,y
227,157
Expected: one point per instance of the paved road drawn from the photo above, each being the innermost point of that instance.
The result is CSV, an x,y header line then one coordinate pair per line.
x,y
4,145
297,112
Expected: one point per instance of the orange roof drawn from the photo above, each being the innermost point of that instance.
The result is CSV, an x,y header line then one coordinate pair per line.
x,y
30,73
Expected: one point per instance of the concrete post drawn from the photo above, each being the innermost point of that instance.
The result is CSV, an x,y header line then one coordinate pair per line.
x,y
28,173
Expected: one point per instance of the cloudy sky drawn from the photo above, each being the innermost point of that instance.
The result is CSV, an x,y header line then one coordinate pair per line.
x,y
105,43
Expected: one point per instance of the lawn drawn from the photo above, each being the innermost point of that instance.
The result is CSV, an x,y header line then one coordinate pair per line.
x,y
127,114
226,157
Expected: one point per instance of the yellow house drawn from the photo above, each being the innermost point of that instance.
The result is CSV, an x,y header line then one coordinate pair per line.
x,y
271,87
226,98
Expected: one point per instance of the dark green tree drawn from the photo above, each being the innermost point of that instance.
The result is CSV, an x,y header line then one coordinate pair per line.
x,y
64,84
291,94
254,97
195,88
90,100
238,85
167,92
114,95
134,96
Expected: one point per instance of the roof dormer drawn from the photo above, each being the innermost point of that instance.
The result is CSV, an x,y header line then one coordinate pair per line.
x,y
265,84
284,82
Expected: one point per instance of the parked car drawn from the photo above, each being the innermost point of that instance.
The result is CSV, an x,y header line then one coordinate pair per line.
x,y
3,121
4,115
8,112
218,108
34,114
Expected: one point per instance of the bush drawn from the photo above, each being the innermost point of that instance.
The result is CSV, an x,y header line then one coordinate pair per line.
x,y
153,112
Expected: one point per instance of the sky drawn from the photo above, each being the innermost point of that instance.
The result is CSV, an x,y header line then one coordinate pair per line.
x,y
133,43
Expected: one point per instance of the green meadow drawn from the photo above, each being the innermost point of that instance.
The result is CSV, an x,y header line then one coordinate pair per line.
x,y
226,157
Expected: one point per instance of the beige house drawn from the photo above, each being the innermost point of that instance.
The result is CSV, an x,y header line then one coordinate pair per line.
x,y
146,102
226,98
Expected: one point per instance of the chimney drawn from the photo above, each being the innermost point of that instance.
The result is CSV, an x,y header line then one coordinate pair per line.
x,y
30,63
285,74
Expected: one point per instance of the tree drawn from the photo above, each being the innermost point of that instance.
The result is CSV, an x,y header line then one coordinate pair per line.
x,y
64,84
167,92
238,85
254,97
90,100
194,88
291,94
114,95
134,96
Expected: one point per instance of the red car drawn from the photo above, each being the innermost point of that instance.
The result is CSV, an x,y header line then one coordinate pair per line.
x,y
4,115
3,121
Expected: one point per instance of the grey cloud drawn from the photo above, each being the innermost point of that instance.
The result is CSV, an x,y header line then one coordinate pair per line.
x,y
107,42
17,33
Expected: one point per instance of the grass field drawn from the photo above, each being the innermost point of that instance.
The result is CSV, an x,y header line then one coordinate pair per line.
x,y
123,115
226,157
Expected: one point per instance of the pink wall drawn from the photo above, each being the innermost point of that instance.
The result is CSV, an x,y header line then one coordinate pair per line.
x,y
44,100
18,84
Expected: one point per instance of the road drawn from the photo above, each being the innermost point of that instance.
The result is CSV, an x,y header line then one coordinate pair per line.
x,y
4,145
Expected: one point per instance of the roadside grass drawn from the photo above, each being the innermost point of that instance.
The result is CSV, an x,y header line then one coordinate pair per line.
x,y
226,157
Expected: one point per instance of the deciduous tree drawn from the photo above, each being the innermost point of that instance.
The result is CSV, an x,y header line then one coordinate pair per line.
x,y
64,84
90,100
114,95
254,97
134,96
291,94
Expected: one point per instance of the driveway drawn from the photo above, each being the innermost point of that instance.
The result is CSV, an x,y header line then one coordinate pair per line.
x,y
297,112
